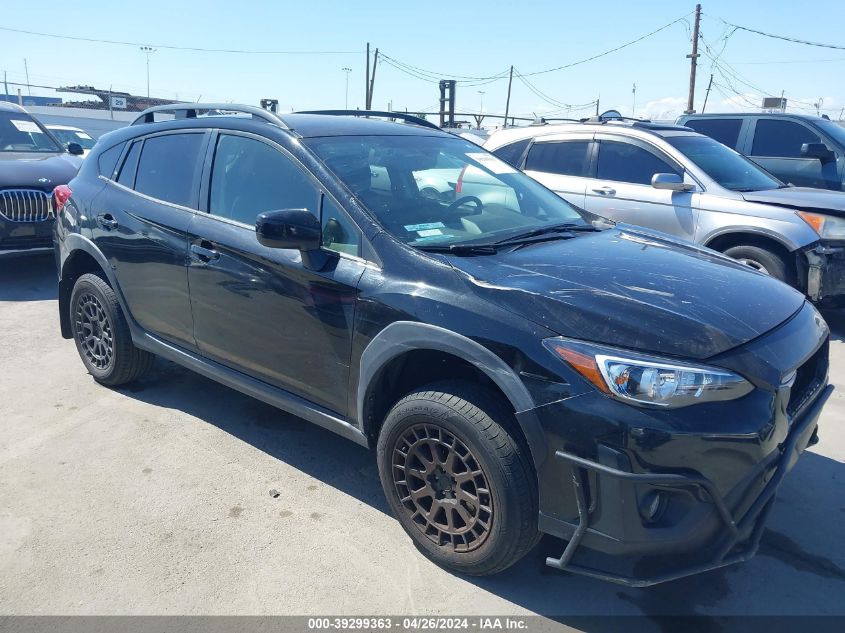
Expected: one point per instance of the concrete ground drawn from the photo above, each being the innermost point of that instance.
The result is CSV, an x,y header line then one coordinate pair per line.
x,y
155,499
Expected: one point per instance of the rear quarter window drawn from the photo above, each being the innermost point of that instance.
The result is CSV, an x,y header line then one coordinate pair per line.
x,y
726,131
512,153
107,161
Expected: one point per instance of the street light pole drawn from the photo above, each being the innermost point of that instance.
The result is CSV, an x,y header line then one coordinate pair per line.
x,y
147,50
346,99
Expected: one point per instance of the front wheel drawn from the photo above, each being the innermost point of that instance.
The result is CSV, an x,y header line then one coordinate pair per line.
x,y
102,334
457,478
762,260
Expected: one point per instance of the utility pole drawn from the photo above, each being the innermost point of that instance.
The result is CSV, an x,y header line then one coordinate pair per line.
x,y
6,86
26,69
147,50
508,101
346,100
693,57
707,94
598,100
634,103
367,80
372,81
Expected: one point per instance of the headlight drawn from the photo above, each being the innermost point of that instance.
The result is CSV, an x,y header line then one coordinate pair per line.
x,y
827,226
646,381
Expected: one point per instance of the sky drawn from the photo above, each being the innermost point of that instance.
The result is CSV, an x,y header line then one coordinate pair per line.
x,y
455,40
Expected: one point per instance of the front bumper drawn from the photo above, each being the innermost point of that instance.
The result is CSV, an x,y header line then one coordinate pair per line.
x,y
825,271
25,236
736,542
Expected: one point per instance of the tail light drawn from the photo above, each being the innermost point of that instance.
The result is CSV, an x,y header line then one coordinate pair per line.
x,y
60,197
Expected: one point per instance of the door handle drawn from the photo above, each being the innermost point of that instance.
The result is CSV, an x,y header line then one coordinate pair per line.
x,y
605,191
205,254
107,221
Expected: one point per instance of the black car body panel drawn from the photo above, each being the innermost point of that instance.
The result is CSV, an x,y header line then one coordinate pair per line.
x,y
328,343
707,303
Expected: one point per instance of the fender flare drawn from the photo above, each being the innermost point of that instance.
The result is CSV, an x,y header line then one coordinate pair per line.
x,y
404,336
755,231
74,243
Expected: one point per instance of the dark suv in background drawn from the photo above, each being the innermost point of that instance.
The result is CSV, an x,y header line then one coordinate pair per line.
x,y
802,150
519,365
32,163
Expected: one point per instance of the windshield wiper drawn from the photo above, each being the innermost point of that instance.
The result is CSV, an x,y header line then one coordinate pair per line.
x,y
461,249
568,227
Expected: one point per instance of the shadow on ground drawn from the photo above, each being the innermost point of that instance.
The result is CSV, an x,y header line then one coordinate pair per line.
x,y
28,277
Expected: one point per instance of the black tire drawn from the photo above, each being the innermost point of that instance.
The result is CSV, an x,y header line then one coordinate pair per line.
x,y
102,335
480,538
763,260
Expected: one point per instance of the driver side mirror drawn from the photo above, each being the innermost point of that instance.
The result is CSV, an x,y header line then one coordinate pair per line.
x,y
75,149
293,228
672,182
817,150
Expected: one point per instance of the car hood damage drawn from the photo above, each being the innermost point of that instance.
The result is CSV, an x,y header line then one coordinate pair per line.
x,y
635,289
801,198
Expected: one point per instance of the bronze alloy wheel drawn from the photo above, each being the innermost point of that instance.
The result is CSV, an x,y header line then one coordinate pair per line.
x,y
442,487
94,331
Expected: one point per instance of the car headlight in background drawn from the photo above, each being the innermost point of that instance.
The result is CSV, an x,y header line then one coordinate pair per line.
x,y
827,226
645,381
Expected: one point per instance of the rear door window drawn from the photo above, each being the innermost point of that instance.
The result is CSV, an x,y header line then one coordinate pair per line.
x,y
167,169
781,139
567,158
726,131
107,161
625,162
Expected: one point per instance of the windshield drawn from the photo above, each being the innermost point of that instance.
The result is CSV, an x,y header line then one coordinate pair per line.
x,y
437,191
19,133
727,167
73,136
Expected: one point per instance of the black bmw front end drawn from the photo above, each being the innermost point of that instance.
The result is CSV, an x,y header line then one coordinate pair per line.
x,y
32,164
657,494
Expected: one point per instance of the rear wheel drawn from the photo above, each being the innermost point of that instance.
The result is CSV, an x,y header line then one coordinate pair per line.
x,y
762,260
102,334
457,479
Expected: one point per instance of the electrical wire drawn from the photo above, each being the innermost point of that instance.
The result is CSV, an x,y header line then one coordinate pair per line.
x,y
176,48
794,40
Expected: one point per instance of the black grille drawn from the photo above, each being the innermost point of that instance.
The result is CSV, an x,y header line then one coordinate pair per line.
x,y
809,378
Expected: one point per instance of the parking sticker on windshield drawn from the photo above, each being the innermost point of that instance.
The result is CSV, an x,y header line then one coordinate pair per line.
x,y
492,163
429,232
26,126
425,226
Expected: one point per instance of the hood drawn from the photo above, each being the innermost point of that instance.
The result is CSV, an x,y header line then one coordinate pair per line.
x,y
26,169
804,198
634,289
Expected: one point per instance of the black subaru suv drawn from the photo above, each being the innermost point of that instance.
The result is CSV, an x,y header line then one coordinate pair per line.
x,y
519,365
32,164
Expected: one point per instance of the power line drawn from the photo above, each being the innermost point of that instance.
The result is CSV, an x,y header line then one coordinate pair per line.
x,y
176,48
794,40
609,51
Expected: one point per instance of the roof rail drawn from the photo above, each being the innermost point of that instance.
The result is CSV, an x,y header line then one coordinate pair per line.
x,y
408,118
190,111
